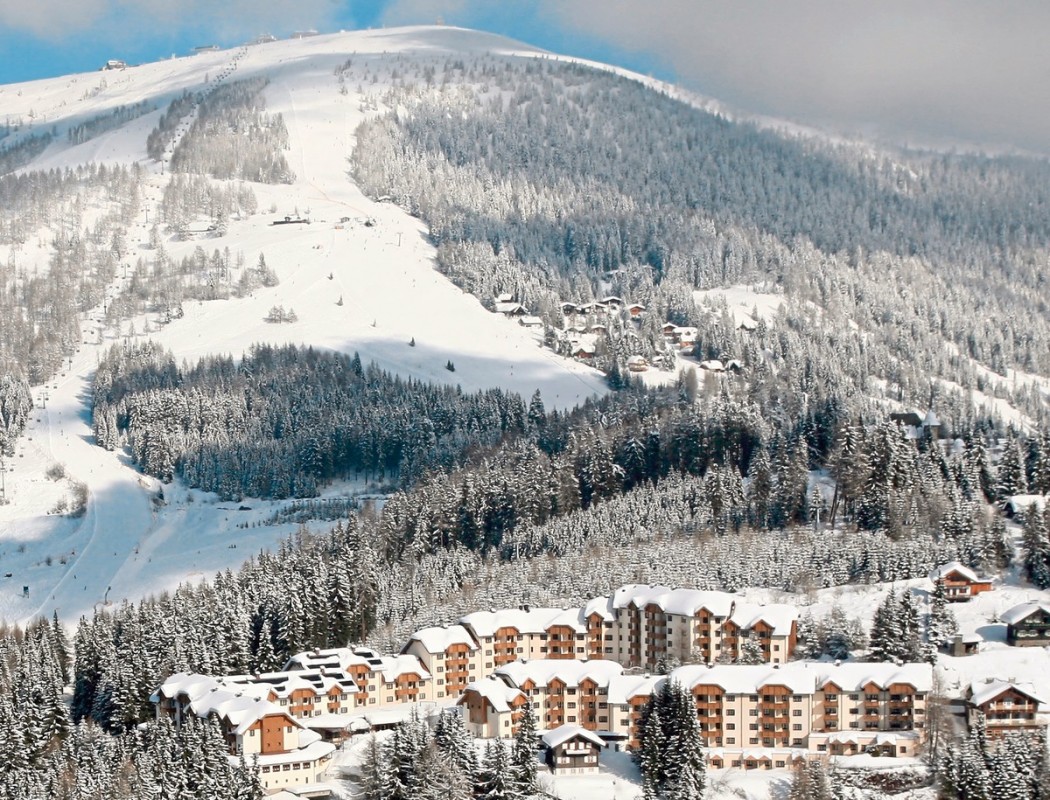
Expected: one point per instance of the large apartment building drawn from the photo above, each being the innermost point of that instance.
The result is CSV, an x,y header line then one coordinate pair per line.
x,y
643,626
1006,708
775,710
637,626
823,708
594,695
379,680
287,753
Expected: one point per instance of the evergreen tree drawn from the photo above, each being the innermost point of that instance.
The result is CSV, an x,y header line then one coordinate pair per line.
x,y
1035,548
524,753
942,625
670,750
497,782
887,631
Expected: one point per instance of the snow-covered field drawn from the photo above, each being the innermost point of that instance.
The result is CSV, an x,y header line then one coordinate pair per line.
x,y
131,540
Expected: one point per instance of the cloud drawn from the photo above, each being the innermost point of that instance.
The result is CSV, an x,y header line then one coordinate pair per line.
x,y
964,70
120,20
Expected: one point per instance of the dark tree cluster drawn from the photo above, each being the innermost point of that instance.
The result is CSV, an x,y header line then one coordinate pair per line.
x,y
46,756
669,746
441,763
553,182
249,428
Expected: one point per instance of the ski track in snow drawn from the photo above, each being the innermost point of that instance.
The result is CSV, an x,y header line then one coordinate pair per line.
x,y
132,541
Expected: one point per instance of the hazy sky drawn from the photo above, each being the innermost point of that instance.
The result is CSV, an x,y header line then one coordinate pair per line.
x,y
967,71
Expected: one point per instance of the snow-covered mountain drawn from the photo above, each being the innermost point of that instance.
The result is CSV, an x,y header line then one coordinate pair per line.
x,y
834,275
360,278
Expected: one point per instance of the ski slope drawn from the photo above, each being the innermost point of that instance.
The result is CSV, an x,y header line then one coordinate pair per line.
x,y
367,284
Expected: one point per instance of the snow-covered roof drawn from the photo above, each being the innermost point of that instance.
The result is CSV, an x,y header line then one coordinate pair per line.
x,y
982,692
1020,503
283,684
312,753
713,365
439,639
854,676
683,602
394,667
533,620
566,733
571,672
602,606
530,320
495,691
207,695
747,678
945,570
335,658
780,617
804,677
1023,611
511,308
622,688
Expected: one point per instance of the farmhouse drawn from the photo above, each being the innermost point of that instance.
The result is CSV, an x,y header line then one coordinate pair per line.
x,y
959,581
572,750
1027,625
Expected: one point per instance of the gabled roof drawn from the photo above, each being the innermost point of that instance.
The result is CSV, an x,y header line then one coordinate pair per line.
x,y
622,688
571,672
804,677
207,695
495,691
747,678
395,666
602,606
439,639
534,620
945,570
854,676
982,692
683,602
566,733
1023,611
778,616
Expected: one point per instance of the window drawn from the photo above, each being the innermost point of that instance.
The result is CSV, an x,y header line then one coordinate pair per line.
x,y
730,726
730,712
796,727
796,712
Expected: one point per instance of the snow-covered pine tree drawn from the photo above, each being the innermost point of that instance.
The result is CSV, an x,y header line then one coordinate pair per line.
x,y
1035,548
496,781
523,756
887,630
942,625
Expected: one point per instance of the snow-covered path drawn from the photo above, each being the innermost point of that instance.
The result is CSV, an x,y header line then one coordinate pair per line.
x,y
360,277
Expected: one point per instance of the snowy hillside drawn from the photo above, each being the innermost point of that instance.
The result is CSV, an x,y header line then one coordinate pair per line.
x,y
360,277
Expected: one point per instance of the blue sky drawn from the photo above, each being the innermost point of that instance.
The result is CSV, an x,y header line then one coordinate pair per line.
x,y
965,73
32,47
